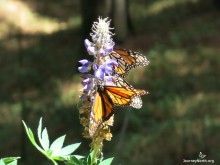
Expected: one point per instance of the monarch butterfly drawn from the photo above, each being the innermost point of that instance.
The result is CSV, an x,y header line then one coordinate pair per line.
x,y
127,60
136,100
106,98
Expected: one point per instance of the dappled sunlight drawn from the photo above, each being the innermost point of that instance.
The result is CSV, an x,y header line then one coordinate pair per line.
x,y
18,16
161,5
156,7
70,92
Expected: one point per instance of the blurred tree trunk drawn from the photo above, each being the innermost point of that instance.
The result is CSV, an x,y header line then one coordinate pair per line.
x,y
117,10
120,19
216,3
90,11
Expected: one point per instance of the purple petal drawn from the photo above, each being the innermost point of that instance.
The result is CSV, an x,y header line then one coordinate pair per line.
x,y
86,88
101,52
111,62
109,47
83,69
95,67
86,81
99,74
109,69
91,50
85,62
87,43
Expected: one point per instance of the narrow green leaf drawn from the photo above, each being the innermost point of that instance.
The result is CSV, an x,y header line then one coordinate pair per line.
x,y
106,161
90,156
30,134
28,130
39,130
69,149
45,140
58,143
31,137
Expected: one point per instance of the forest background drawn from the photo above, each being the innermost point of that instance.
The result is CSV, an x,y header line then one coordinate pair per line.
x,y
41,42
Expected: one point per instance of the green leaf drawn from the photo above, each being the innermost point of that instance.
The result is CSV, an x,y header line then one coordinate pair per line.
x,y
90,156
9,161
69,149
13,163
2,162
39,130
67,158
31,137
58,143
78,156
73,161
106,161
76,160
60,158
29,133
48,153
45,140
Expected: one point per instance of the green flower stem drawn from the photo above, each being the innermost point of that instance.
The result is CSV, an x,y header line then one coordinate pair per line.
x,y
54,162
94,158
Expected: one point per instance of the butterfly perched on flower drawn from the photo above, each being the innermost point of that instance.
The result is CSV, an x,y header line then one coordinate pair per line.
x,y
127,59
136,101
107,97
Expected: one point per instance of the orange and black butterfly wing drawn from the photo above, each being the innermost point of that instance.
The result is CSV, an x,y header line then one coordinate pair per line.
x,y
102,110
122,68
105,99
127,60
136,99
120,96
120,82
